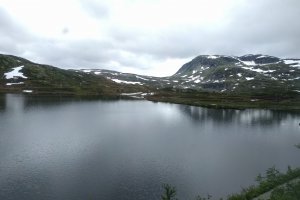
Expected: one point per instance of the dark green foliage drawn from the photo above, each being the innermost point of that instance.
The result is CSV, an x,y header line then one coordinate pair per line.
x,y
281,186
272,179
290,191
169,192
259,178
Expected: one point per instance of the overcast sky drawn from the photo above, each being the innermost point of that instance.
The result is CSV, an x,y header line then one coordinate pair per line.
x,y
152,37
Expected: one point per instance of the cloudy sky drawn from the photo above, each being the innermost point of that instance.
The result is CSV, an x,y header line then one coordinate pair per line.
x,y
152,37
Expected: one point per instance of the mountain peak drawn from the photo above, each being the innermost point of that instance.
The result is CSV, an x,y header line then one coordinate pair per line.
x,y
204,61
208,61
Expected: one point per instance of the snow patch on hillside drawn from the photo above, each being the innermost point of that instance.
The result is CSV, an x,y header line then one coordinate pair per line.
x,y
15,73
288,62
126,82
142,78
262,56
213,57
293,63
9,84
258,70
248,62
253,63
27,91
137,95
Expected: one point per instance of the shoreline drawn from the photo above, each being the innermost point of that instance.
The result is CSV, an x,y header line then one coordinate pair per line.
x,y
205,99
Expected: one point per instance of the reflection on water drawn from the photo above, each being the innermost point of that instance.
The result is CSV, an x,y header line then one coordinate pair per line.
x,y
32,101
63,148
259,117
2,102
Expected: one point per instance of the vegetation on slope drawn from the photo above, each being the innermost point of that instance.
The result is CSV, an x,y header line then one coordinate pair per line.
x,y
45,79
271,100
273,185
282,186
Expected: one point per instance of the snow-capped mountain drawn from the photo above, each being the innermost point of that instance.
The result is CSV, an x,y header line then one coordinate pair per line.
x,y
230,73
221,73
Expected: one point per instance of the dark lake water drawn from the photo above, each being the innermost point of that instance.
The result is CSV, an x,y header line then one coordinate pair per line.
x,y
66,149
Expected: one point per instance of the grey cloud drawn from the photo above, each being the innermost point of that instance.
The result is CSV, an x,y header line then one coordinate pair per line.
x,y
95,8
82,53
12,35
72,54
88,53
161,44
268,27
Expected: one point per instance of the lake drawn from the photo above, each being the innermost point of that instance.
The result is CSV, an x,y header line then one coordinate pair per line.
x,y
71,149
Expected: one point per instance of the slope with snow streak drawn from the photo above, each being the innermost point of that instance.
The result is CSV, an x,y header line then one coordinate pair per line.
x,y
292,62
15,73
126,82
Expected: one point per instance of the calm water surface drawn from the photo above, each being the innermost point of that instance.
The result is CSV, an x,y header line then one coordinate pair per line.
x,y
64,149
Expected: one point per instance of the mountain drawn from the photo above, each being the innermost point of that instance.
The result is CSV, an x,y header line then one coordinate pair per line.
x,y
21,75
226,81
240,74
248,73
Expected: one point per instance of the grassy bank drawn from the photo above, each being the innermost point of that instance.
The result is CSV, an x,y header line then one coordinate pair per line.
x,y
230,100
